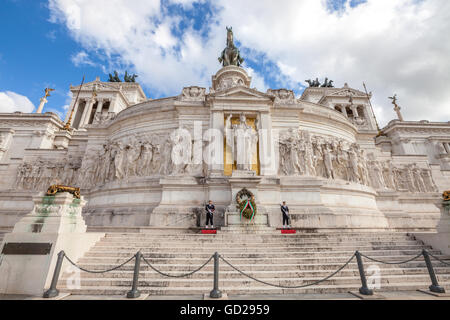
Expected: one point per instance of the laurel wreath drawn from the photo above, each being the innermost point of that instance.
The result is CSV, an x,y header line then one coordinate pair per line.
x,y
446,202
247,207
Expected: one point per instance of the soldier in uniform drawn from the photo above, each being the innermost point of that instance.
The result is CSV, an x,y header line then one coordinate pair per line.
x,y
209,214
285,212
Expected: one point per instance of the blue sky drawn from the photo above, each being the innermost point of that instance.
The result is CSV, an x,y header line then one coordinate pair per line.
x,y
391,45
35,53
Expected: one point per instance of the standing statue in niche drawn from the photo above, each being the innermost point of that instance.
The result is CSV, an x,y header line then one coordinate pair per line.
x,y
243,139
231,55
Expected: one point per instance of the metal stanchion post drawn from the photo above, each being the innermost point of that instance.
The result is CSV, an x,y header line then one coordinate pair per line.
x,y
53,292
135,293
216,293
364,289
435,287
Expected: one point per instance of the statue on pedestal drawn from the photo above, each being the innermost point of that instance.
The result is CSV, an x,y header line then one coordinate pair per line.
x,y
231,55
243,140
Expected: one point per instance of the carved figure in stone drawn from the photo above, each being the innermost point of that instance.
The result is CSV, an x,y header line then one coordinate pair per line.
x,y
181,154
428,180
409,179
284,152
389,175
340,160
20,175
146,157
377,175
283,96
353,164
363,169
119,159
133,153
309,155
295,150
68,173
245,140
327,161
193,94
231,55
156,160
418,180
88,170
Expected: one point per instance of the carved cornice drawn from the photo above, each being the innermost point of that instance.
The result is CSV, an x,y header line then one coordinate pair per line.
x,y
417,127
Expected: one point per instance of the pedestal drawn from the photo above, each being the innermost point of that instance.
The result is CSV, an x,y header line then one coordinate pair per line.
x,y
30,251
181,197
243,179
62,139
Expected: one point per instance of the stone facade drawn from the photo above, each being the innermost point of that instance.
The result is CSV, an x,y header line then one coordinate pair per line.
x,y
146,162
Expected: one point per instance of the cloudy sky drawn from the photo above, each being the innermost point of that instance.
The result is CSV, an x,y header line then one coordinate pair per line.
x,y
394,46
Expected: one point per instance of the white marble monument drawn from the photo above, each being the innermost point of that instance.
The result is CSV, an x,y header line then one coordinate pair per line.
x,y
142,162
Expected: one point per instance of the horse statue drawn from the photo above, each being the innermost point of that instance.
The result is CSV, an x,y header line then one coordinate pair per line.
x,y
114,78
231,55
130,78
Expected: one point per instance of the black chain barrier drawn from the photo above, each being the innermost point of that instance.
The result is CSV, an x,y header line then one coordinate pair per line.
x,y
177,276
440,260
290,287
389,262
216,293
99,271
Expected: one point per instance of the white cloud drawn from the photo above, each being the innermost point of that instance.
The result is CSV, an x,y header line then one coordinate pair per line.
x,y
81,58
12,102
394,46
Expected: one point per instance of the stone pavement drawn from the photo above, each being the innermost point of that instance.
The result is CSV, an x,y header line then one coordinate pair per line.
x,y
399,295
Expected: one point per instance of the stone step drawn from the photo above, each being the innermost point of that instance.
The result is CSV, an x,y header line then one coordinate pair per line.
x,y
277,235
280,267
245,241
247,282
205,254
272,257
270,250
285,239
281,245
250,246
198,261
229,273
243,290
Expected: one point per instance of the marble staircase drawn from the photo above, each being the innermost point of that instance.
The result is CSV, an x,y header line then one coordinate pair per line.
x,y
289,260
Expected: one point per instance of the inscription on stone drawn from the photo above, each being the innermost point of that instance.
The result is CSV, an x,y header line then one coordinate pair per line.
x,y
26,248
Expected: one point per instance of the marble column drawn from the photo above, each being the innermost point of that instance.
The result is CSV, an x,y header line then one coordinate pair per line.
x,y
112,105
99,106
267,157
41,106
216,165
87,113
